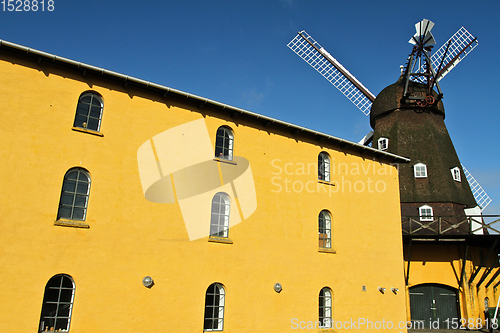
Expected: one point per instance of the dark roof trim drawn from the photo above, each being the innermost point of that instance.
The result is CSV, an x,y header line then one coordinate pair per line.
x,y
147,84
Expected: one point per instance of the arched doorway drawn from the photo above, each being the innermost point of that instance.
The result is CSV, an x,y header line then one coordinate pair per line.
x,y
434,303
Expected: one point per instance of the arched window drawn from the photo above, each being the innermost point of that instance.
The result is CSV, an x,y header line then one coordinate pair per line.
x,y
425,213
323,167
219,221
325,308
420,170
224,143
57,304
74,195
325,229
214,308
89,111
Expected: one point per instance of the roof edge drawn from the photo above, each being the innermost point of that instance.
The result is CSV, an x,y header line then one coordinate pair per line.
x,y
148,84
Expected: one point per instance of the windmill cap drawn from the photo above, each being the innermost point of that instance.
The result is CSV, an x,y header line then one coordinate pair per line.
x,y
389,100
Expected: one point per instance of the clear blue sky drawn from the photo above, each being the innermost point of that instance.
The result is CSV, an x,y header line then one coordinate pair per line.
x,y
235,52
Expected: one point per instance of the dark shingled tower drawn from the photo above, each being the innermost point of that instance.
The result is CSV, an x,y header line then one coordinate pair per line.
x,y
417,131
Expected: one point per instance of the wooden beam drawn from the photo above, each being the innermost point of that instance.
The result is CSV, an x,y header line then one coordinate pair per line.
x,y
483,262
409,260
464,260
493,278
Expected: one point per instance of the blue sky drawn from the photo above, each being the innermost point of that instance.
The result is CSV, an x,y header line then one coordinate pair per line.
x,y
235,52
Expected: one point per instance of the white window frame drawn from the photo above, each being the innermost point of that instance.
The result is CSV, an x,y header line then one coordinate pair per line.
x,y
423,212
455,173
383,144
219,221
217,308
224,141
60,304
324,166
325,229
86,111
420,170
325,307
75,195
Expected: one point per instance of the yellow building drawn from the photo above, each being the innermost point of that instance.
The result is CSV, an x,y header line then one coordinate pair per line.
x,y
133,207
452,280
451,253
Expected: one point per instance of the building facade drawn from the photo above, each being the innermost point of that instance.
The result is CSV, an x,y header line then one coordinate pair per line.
x,y
451,255
133,207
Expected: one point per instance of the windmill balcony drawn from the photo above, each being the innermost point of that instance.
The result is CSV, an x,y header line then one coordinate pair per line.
x,y
451,226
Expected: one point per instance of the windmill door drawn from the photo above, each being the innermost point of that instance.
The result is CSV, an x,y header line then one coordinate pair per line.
x,y
434,304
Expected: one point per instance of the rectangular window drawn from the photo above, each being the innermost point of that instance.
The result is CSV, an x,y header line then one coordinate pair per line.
x,y
420,170
425,213
455,172
383,143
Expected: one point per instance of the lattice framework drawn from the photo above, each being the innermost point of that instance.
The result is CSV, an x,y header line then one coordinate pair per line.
x,y
482,198
319,59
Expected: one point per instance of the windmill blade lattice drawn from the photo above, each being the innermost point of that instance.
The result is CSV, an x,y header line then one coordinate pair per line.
x,y
323,62
462,43
482,199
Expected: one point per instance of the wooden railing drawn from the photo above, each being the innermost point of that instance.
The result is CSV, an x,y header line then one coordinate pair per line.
x,y
451,225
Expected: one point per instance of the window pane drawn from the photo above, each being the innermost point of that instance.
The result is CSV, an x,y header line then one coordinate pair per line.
x,y
83,177
215,206
82,188
86,98
95,112
96,102
62,323
67,283
208,324
52,295
219,141
66,199
66,295
93,124
82,111
69,186
64,213
49,310
213,229
72,175
78,214
78,123
81,201
64,310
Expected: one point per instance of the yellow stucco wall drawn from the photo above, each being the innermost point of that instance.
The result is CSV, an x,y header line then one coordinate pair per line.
x,y
130,237
441,263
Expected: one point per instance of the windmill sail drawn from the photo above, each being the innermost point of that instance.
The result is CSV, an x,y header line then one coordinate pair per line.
x,y
323,62
482,199
462,43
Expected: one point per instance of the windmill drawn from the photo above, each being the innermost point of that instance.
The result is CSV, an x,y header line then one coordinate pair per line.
x,y
421,68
